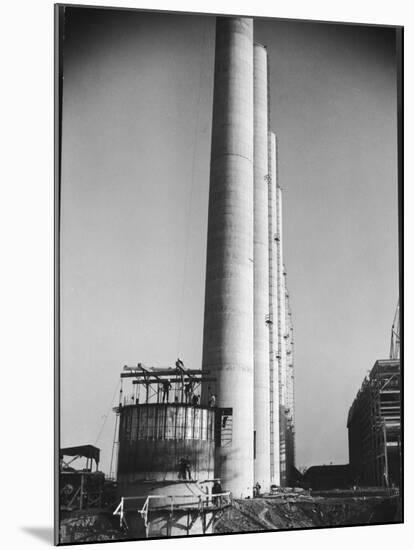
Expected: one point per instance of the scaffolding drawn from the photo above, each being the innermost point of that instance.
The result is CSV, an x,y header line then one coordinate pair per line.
x,y
160,385
374,427
202,508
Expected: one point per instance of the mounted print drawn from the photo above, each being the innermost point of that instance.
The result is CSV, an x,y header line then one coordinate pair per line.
x,y
228,219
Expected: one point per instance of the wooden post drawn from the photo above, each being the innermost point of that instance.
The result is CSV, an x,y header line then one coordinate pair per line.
x,y
81,493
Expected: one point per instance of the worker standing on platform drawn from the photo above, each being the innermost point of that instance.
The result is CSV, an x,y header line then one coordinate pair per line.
x,y
212,401
195,400
188,391
217,490
182,469
166,386
188,467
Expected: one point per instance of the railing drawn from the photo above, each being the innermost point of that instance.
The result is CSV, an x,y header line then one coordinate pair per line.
x,y
202,503
359,492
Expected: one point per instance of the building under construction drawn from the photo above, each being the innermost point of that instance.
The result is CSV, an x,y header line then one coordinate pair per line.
x,y
374,422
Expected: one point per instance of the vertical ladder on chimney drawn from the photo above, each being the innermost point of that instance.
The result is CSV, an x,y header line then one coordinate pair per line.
x,y
291,379
271,316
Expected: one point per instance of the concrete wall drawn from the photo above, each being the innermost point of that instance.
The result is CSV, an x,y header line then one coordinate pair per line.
x,y
228,318
261,270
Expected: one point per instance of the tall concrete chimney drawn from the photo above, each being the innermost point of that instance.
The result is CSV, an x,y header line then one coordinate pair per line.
x,y
274,328
283,335
261,271
228,317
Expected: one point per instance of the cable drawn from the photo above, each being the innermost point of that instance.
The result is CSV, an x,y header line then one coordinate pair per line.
x,y
106,415
190,202
113,447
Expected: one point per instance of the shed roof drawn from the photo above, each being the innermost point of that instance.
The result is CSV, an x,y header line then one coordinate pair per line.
x,y
88,451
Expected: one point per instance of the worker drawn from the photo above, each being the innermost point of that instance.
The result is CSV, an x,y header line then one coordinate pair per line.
x,y
188,389
257,488
166,386
188,467
212,401
182,468
217,490
195,400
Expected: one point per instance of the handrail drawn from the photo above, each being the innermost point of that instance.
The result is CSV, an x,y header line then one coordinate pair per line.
x,y
208,501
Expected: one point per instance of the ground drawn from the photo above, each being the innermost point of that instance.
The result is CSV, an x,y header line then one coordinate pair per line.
x,y
305,511
284,511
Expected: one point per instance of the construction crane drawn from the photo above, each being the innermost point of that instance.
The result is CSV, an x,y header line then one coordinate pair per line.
x,y
395,335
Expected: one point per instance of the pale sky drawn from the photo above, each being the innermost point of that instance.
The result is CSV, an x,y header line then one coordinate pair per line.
x,y
137,106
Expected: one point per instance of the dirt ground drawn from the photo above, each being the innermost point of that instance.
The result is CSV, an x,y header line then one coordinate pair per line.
x,y
263,514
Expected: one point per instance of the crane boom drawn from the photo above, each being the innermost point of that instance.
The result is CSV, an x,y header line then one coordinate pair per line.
x,y
395,335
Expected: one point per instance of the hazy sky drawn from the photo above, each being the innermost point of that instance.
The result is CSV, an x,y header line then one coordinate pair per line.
x,y
137,106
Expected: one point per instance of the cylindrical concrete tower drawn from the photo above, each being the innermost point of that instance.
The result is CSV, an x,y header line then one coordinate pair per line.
x,y
261,271
283,336
228,317
274,336
282,312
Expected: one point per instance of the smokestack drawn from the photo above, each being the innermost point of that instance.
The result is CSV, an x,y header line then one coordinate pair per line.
x,y
283,335
228,316
261,271
274,336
